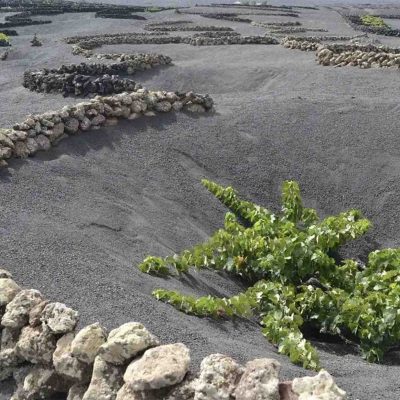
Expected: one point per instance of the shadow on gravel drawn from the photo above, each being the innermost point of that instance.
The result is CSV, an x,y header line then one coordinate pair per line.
x,y
81,144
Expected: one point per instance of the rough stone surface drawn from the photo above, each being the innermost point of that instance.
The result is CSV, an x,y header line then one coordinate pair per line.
x,y
219,375
319,387
76,392
160,367
126,341
67,365
106,381
8,290
259,381
59,318
87,342
17,311
36,345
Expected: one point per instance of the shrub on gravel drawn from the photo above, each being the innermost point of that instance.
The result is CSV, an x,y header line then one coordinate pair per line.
x,y
295,285
371,20
4,40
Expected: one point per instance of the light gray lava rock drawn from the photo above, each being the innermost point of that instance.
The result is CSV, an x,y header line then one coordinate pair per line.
x,y
59,318
17,310
126,341
77,391
87,342
8,290
159,367
318,387
67,365
218,378
260,380
36,345
106,381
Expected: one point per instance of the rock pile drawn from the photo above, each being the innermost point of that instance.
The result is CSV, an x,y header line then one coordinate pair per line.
x,y
35,42
46,355
88,78
363,56
176,27
4,55
41,131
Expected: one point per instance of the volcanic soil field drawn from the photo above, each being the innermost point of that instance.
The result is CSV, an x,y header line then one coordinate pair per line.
x,y
76,220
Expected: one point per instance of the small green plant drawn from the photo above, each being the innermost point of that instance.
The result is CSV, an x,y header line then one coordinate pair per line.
x,y
294,283
4,38
371,20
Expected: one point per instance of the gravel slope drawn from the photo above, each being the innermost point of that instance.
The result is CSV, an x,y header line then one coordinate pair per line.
x,y
75,222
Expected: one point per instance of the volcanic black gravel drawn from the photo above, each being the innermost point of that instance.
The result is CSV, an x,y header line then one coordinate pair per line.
x,y
76,221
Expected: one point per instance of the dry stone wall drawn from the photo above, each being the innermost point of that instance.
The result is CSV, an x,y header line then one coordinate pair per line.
x,y
45,354
80,79
177,27
40,132
84,45
363,56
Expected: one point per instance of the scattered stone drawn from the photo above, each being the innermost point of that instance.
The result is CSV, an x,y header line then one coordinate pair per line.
x,y
126,341
160,367
35,42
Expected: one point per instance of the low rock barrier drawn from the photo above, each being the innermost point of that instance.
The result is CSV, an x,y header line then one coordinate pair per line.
x,y
177,27
21,19
293,30
275,24
227,17
79,79
9,32
84,46
363,56
300,43
45,354
119,15
215,34
41,131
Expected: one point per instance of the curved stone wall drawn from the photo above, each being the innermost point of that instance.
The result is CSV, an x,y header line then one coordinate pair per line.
x,y
45,354
88,78
40,132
